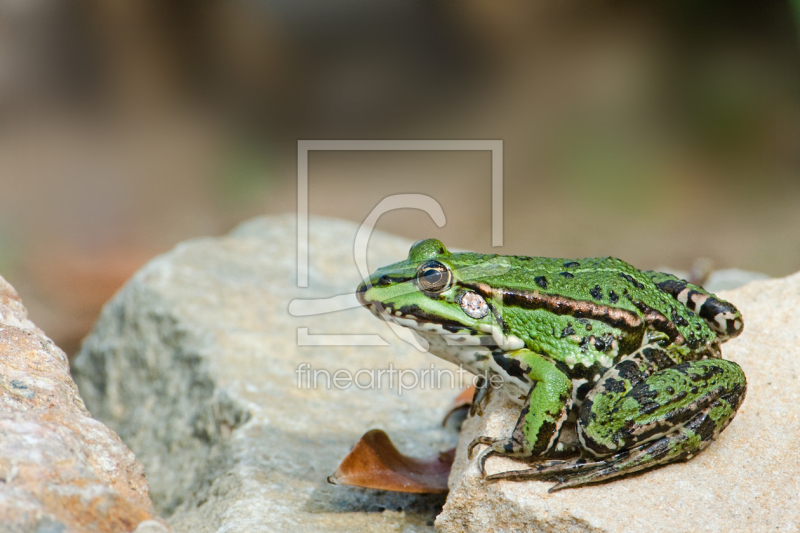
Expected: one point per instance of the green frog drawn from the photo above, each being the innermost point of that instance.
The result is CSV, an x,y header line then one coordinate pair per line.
x,y
615,370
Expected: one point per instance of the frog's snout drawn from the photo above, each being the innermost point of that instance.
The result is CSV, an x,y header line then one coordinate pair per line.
x,y
361,291
368,283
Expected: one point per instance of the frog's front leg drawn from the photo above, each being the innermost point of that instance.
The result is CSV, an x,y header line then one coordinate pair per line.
x,y
542,416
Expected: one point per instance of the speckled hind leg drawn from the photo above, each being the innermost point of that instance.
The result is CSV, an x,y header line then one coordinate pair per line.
x,y
679,445
667,417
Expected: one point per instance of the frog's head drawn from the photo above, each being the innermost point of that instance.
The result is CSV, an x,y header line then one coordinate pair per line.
x,y
433,290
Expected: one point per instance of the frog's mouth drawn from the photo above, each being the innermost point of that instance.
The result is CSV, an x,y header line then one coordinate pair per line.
x,y
414,317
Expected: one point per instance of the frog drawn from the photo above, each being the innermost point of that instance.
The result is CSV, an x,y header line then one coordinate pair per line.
x,y
614,370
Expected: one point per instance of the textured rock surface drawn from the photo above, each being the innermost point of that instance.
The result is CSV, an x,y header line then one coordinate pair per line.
x,y
60,470
194,364
748,480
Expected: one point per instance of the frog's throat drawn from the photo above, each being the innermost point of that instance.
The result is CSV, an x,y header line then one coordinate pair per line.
x,y
462,346
456,333
478,352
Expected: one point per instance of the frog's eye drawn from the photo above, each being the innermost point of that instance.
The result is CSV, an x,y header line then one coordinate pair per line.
x,y
433,276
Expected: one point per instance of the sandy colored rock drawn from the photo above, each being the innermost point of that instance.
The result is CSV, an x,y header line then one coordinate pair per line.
x,y
748,480
60,470
194,363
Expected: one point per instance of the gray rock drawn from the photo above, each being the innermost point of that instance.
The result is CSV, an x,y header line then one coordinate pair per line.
x,y
60,470
748,480
194,363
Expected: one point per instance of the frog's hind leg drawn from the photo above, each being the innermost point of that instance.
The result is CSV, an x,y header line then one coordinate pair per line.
x,y
679,445
661,430
669,416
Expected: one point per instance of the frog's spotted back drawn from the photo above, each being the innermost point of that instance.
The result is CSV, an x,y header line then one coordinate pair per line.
x,y
721,316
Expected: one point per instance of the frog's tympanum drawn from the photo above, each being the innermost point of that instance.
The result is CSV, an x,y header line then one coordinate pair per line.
x,y
629,360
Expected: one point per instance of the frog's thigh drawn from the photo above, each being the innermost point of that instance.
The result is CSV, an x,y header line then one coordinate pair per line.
x,y
696,399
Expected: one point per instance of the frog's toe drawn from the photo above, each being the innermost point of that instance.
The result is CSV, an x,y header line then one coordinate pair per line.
x,y
485,454
548,470
480,398
479,440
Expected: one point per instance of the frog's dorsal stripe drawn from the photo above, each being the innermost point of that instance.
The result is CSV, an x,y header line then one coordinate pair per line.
x,y
616,317
720,315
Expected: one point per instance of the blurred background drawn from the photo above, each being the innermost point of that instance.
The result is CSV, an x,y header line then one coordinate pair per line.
x,y
660,132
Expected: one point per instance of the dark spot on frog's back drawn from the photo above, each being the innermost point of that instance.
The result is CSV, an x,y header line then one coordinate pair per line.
x,y
677,318
673,287
567,331
571,264
596,292
612,297
630,279
541,281
567,275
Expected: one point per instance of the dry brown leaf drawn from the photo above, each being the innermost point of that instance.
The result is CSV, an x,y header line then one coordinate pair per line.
x,y
375,463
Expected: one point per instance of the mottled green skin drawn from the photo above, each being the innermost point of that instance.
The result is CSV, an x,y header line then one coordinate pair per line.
x,y
631,354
